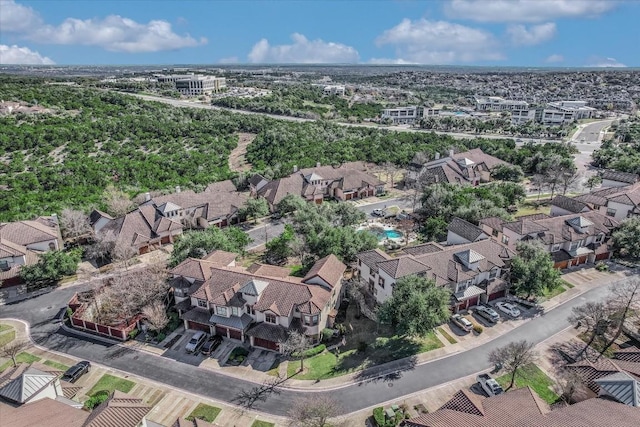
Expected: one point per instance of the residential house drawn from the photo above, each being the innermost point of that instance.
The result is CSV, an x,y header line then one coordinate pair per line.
x,y
460,231
474,272
259,305
349,181
28,383
570,239
468,168
144,229
218,205
120,410
22,241
523,407
618,202
612,178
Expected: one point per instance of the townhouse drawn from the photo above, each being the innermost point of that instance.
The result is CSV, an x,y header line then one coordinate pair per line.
x,y
618,202
260,304
474,272
570,239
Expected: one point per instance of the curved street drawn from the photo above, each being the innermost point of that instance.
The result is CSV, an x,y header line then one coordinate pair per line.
x,y
41,313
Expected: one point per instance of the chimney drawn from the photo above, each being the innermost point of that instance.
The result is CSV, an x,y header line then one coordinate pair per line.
x,y
295,168
54,218
318,164
437,156
177,188
147,197
451,153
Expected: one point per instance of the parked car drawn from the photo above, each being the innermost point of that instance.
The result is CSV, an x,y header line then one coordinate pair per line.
x,y
196,342
508,308
211,344
462,322
76,371
489,385
378,212
488,313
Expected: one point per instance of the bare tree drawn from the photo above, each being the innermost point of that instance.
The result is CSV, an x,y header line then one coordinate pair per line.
x,y
118,202
102,246
156,314
623,304
390,170
123,252
313,411
296,345
74,223
356,291
513,356
12,349
248,398
569,385
594,318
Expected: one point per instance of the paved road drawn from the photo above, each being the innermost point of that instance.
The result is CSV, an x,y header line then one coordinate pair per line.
x,y
39,313
587,139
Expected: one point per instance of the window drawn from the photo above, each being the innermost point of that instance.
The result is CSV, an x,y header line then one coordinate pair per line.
x,y
311,320
251,310
611,212
381,282
555,248
505,239
574,246
494,233
493,273
270,318
599,238
221,311
235,311
202,303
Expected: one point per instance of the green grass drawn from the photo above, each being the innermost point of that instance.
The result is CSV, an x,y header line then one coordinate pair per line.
x,y
204,412
110,383
258,423
274,369
528,209
7,337
5,327
23,357
56,365
550,293
567,284
447,336
297,270
532,376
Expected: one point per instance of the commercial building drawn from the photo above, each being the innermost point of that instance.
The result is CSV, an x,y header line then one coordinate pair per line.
x,y
194,84
403,115
561,112
496,103
334,90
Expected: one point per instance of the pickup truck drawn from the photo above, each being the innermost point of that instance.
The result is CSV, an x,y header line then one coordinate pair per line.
x,y
489,385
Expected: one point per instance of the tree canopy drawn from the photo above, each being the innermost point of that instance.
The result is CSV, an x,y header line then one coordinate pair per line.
x,y
532,270
417,305
51,267
626,239
197,244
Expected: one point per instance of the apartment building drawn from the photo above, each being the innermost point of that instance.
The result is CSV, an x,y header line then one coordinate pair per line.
x,y
496,103
194,84
561,112
616,202
334,90
403,115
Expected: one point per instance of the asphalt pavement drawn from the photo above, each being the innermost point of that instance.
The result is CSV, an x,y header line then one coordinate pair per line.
x,y
41,312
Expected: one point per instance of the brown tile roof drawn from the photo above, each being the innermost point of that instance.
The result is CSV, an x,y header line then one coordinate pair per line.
x,y
329,269
269,270
222,258
591,371
425,248
465,229
402,266
120,410
269,332
44,412
493,222
612,175
26,233
457,169
631,354
570,204
372,257
194,268
464,401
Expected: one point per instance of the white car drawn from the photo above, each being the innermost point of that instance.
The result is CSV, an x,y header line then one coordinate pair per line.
x,y
508,308
462,322
378,212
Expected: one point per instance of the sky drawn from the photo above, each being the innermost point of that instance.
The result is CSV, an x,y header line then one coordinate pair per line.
x,y
533,33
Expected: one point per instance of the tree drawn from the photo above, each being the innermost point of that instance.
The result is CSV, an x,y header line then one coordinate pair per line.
x,y
281,247
12,349
347,215
156,316
507,172
532,270
513,356
117,202
434,229
296,345
255,208
417,305
624,299
102,246
74,223
626,239
50,268
197,244
123,252
594,181
313,411
290,203
593,317
569,384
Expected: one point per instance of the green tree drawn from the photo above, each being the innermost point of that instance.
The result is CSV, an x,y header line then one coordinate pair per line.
x,y
626,239
197,244
594,181
532,270
290,203
434,229
51,267
280,248
417,305
507,172
255,208
348,215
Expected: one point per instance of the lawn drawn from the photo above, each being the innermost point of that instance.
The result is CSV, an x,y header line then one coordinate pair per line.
x,y
447,336
528,209
204,412
56,365
532,376
20,358
550,293
599,343
258,423
5,327
7,337
110,383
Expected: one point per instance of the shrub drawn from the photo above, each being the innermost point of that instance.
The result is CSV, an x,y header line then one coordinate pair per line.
x,y
327,334
477,329
161,336
69,312
601,266
378,416
134,332
362,346
315,350
97,398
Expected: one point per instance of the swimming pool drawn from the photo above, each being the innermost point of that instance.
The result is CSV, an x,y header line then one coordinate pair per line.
x,y
382,234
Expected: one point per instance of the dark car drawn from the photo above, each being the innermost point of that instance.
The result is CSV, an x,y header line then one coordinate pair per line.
x,y
211,345
76,371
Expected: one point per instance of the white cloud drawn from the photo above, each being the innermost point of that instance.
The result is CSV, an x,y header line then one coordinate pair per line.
x,y
525,10
229,60
303,51
554,59
535,34
16,18
440,42
390,61
21,55
115,33
601,62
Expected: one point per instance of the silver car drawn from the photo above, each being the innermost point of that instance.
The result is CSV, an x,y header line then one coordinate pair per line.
x,y
196,342
488,313
508,308
462,322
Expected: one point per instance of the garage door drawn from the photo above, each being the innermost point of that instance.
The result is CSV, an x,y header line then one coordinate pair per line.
x,y
582,260
497,295
473,301
165,240
221,331
236,335
561,264
259,342
198,326
602,257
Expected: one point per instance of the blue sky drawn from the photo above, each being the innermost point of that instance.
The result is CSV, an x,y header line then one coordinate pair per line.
x,y
557,33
